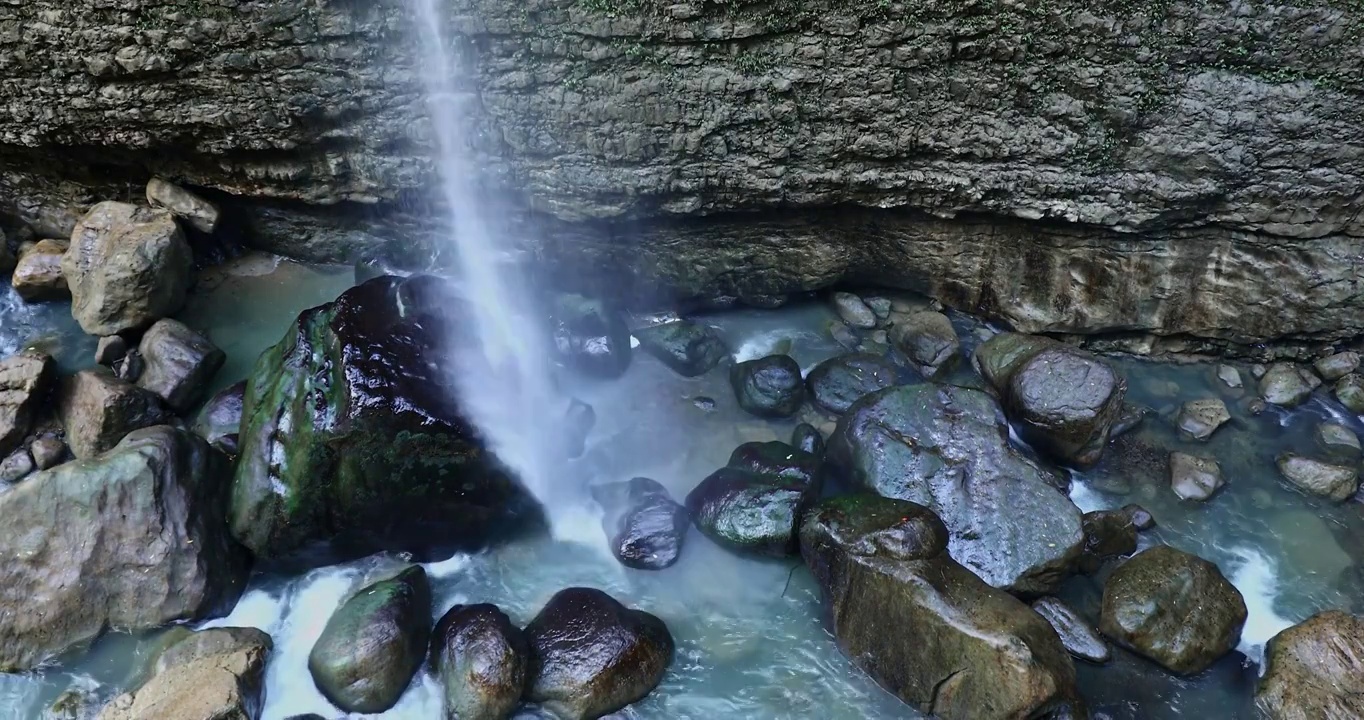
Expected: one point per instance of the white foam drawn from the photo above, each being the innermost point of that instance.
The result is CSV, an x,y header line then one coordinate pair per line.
x,y
1085,497
1256,576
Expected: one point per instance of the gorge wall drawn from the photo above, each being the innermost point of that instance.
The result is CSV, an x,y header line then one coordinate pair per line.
x,y
1188,169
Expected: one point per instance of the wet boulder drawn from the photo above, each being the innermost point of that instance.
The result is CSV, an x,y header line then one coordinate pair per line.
x,y
1337,366
110,349
998,358
838,382
779,459
26,381
930,342
142,542
1080,638
807,438
374,643
590,336
1194,477
482,661
592,656
1285,384
1338,440
47,452
853,311
1318,477
1312,670
352,440
1349,391
1108,534
689,349
195,211
127,267
214,674
750,513
1174,608
768,387
178,363
98,410
947,448
220,420
645,527
1199,419
924,627
38,274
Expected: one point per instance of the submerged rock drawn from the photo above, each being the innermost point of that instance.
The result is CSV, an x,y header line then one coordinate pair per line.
x,y
1349,391
1312,670
1336,482
1283,384
220,420
853,311
1080,638
947,448
930,342
98,410
142,542
26,382
1230,376
197,212
1193,477
374,643
482,660
1108,534
178,363
579,419
589,336
38,274
1334,367
688,348
1174,608
1199,419
838,382
768,387
351,435
807,438
924,627
592,656
128,267
1338,439
645,528
1128,420
214,674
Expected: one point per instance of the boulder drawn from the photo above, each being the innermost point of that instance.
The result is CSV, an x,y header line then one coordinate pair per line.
x,y
1337,366
645,528
1349,391
142,542
947,448
1174,608
1312,670
930,342
110,349
1199,419
351,435
26,382
178,363
1230,376
97,410
853,311
998,358
924,627
838,382
592,656
1283,384
1079,638
47,452
195,211
690,349
768,387
482,660
1317,477
807,438
127,267
1194,477
374,643
589,336
38,272
781,460
17,466
1108,534
214,674
1338,440
749,512
220,420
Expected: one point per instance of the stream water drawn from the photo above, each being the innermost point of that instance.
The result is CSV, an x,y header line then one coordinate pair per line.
x,y
751,642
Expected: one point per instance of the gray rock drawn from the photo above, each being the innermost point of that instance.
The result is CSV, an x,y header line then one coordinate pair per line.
x,y
1080,638
127,268
1336,482
1066,403
1349,391
179,363
97,410
880,306
38,272
220,420
143,542
197,212
930,342
17,466
768,387
216,674
838,382
25,383
853,311
1230,376
1311,670
1334,367
110,350
1193,477
1199,419
1258,371
689,348
132,365
1283,384
483,662
844,335
47,452
1338,438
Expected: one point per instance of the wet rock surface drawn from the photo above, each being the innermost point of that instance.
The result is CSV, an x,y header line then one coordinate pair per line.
x,y
853,311
1194,477
590,336
1334,367
374,643
1349,390
1317,477
930,342
179,363
141,543
1174,608
482,660
690,349
1312,670
645,527
1199,419
768,387
838,382
924,627
947,448
1284,384
1066,404
26,380
1078,636
219,421
209,675
98,410
751,512
592,656
38,273
1108,534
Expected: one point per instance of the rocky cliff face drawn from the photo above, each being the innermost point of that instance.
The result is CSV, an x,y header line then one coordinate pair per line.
x,y
1193,169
